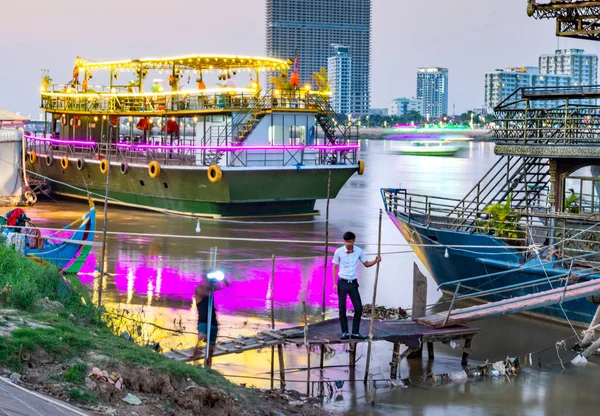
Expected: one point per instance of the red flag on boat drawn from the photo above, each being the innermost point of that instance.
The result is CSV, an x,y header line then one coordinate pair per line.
x,y
142,124
295,77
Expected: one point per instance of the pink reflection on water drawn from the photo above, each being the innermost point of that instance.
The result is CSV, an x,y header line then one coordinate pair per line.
x,y
295,281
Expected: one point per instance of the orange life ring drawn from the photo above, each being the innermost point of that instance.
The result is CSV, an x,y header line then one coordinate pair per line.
x,y
361,167
104,166
64,162
32,157
154,169
214,173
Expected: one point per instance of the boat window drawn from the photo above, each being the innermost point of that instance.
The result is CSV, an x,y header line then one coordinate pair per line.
x,y
582,191
297,135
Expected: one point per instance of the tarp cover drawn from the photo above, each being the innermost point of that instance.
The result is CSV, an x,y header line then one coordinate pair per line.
x,y
10,162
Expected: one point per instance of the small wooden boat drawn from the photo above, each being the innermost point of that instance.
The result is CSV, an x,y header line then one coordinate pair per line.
x,y
426,148
66,249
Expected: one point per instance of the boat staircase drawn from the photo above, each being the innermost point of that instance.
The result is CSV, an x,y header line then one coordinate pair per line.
x,y
245,122
523,180
335,129
236,132
242,123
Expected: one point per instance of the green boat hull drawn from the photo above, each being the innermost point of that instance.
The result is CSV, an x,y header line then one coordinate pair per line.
x,y
241,192
433,153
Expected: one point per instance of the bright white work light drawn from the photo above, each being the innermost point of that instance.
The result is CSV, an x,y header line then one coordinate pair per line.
x,y
217,276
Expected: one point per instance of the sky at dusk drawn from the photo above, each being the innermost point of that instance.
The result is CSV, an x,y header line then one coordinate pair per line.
x,y
470,37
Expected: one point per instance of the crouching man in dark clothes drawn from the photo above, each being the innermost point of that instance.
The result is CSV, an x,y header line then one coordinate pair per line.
x,y
202,296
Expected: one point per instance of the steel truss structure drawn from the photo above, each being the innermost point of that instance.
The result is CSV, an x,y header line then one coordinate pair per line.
x,y
574,19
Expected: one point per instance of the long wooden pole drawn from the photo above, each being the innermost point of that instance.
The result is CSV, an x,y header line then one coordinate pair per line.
x,y
103,257
323,306
273,320
373,304
307,349
326,247
211,299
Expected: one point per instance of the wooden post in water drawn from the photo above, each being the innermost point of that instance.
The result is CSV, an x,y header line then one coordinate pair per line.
x,y
307,350
395,360
373,304
323,308
371,390
103,257
466,352
418,304
352,360
273,320
281,367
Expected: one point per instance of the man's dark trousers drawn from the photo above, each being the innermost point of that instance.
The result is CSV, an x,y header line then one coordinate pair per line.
x,y
345,288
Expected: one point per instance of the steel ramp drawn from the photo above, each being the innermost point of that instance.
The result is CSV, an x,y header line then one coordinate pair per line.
x,y
513,305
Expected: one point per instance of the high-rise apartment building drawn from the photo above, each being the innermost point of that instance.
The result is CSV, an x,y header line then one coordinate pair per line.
x,y
310,27
582,67
339,67
432,90
566,68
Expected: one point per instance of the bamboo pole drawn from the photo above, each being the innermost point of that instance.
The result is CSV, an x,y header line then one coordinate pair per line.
x,y
307,349
273,320
102,267
281,367
373,304
325,259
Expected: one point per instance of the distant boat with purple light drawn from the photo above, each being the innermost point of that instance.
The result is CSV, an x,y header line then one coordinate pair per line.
x,y
225,151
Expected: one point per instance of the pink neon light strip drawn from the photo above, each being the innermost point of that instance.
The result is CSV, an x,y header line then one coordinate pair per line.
x,y
234,148
92,143
89,143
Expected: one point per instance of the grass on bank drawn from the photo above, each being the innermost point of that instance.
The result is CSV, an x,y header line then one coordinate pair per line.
x,y
76,330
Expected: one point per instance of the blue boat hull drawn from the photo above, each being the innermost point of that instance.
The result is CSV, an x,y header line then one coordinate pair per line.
x,y
69,255
471,262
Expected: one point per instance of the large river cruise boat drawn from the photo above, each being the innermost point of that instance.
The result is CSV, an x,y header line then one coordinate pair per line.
x,y
165,141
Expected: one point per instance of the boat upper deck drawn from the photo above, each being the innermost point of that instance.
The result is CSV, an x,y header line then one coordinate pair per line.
x,y
134,87
184,103
554,122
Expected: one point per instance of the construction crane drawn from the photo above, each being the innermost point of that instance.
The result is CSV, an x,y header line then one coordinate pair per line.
x,y
578,19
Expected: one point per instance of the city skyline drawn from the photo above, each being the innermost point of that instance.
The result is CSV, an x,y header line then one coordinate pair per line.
x,y
468,44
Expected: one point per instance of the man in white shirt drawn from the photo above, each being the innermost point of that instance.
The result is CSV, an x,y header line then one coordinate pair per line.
x,y
345,260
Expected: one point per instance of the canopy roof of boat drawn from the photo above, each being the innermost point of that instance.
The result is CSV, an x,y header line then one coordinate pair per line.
x,y
189,62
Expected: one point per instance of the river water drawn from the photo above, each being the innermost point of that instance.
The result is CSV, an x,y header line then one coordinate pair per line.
x,y
153,279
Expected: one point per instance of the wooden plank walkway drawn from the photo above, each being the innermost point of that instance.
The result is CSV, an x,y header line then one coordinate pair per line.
x,y
512,305
410,333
